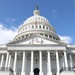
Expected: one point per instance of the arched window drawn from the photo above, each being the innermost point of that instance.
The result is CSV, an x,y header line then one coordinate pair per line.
x,y
47,28
22,36
40,26
46,35
43,27
50,36
53,37
41,34
32,26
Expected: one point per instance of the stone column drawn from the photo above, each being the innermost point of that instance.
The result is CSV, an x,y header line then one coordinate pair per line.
x,y
63,64
9,61
71,63
49,63
57,61
40,63
23,64
15,62
7,57
32,59
66,63
2,58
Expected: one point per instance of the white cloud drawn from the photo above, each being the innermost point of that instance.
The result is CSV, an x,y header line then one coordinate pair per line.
x,y
66,39
7,34
10,19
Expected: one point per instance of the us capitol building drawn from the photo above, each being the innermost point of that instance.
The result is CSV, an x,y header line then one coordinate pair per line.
x,y
37,50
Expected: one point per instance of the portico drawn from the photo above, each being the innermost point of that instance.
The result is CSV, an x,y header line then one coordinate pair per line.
x,y
42,56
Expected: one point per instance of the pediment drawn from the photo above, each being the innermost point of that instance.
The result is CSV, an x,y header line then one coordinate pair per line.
x,y
37,40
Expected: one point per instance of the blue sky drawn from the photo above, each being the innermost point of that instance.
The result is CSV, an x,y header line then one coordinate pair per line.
x,y
60,13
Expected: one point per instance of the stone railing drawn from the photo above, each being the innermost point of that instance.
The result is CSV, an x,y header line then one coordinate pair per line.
x,y
67,69
6,69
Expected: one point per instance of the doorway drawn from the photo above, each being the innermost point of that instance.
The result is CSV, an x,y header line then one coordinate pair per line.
x,y
36,71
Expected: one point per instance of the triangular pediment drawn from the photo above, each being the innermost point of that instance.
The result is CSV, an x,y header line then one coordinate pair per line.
x,y
37,40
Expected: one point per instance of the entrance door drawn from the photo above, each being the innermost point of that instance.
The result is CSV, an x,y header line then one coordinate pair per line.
x,y
36,71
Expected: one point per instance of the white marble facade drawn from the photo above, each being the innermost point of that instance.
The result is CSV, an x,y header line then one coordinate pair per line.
x,y
37,50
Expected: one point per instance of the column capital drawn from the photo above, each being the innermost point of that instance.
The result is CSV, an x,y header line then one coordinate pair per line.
x,y
48,51
64,51
57,50
40,51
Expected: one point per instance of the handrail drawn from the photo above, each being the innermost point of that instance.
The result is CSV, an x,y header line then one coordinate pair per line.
x,y
6,69
67,69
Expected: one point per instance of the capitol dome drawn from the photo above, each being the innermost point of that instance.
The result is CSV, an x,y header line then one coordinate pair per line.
x,y
36,25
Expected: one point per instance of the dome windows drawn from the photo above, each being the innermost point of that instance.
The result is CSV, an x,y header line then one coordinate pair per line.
x,y
48,36
32,26
43,27
40,26
22,36
53,37
47,28
41,34
35,26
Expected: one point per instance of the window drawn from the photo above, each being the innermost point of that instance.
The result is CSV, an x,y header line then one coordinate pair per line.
x,y
19,38
27,36
46,35
47,28
32,26
50,36
22,36
40,26
56,39
53,37
41,34
31,34
36,26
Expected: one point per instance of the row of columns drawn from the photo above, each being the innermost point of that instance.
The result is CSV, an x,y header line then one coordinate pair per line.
x,y
8,60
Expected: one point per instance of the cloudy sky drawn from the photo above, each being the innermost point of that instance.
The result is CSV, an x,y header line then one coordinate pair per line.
x,y
60,13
